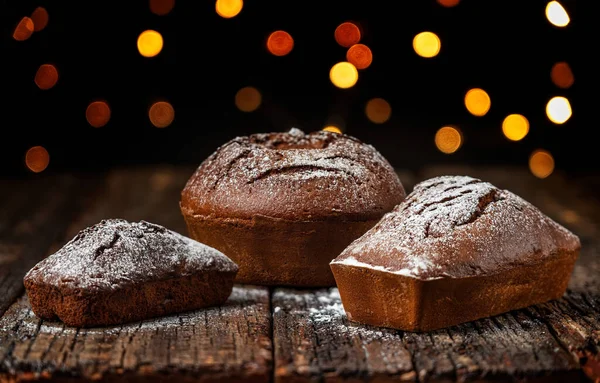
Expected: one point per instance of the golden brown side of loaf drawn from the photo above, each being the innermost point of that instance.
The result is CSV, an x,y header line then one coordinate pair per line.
x,y
282,205
455,250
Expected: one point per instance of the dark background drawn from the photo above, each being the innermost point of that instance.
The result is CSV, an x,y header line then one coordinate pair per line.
x,y
506,48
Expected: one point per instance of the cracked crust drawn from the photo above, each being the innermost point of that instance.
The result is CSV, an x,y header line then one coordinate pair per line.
x,y
294,176
117,271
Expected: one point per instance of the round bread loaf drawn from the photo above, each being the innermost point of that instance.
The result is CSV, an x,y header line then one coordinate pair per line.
x,y
283,205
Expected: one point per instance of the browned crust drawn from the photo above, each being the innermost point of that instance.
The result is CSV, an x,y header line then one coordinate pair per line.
x,y
80,308
272,251
385,299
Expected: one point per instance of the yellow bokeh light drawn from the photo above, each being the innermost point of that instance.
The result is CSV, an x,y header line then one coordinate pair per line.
x,y
557,15
37,159
541,163
478,102
427,44
448,139
343,75
161,114
248,99
149,43
333,129
378,110
229,8
515,127
558,110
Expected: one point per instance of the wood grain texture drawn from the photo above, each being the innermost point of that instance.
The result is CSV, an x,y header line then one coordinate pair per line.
x,y
228,343
556,341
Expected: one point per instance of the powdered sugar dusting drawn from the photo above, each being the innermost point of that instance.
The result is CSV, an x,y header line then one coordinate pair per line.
x,y
116,253
339,173
458,226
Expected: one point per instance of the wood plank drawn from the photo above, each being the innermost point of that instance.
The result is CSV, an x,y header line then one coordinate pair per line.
x,y
556,341
228,343
34,212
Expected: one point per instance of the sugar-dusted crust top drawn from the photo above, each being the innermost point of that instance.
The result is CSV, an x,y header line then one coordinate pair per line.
x,y
458,226
295,176
116,253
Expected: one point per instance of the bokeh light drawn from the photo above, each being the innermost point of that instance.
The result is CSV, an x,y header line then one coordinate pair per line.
x,y
427,44
150,43
161,114
229,8
248,99
360,56
558,110
347,34
562,75
161,7
97,114
448,139
39,16
557,15
448,3
334,129
46,76
37,159
343,75
378,110
515,127
477,102
541,163
24,29
280,43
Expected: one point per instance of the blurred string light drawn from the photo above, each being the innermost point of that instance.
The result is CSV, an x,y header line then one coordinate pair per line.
x,y
280,43
360,56
541,163
427,44
343,75
149,43
161,114
248,99
24,29
515,127
557,15
161,7
46,76
558,110
448,139
98,114
332,128
378,110
477,102
39,16
561,75
229,8
37,159
448,3
347,34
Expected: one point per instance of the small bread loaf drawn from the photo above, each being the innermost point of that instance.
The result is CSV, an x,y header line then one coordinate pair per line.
x,y
457,249
116,272
283,205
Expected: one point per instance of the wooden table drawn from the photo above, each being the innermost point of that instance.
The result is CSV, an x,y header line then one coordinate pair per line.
x,y
281,334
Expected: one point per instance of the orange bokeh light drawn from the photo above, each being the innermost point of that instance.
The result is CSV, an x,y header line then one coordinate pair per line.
x,y
37,159
347,34
360,55
40,18
46,76
562,75
161,114
24,29
97,114
280,43
161,7
448,3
